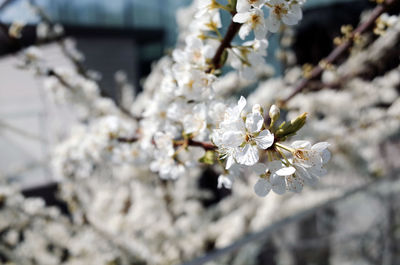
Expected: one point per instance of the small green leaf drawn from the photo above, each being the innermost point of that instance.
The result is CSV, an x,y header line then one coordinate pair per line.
x,y
287,129
224,57
208,158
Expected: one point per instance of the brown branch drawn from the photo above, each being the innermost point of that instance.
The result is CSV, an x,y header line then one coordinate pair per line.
x,y
205,145
339,50
225,43
128,139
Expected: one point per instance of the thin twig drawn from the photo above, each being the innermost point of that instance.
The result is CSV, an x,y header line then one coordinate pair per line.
x,y
21,132
189,142
339,50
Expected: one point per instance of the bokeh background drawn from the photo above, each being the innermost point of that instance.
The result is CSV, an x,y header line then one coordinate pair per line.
x,y
123,38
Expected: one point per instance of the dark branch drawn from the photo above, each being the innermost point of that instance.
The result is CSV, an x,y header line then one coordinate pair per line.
x,y
339,50
225,43
189,142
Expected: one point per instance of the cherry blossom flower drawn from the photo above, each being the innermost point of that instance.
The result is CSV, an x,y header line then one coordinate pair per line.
x,y
288,12
309,156
249,57
196,121
226,180
272,176
242,138
251,20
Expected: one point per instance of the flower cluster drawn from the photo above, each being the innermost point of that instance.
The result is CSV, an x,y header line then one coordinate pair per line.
x,y
184,120
250,13
187,107
241,137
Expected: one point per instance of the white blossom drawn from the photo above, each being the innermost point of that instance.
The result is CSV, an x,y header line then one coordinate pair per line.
x,y
251,20
288,12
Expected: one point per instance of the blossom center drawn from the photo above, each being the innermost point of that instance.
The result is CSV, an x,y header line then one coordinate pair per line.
x,y
197,56
300,154
280,10
255,20
190,84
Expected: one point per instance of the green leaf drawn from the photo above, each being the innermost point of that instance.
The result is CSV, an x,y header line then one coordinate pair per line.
x,y
208,158
287,129
224,57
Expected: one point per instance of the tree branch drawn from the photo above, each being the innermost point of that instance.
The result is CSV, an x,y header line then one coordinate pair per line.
x,y
189,142
339,50
225,43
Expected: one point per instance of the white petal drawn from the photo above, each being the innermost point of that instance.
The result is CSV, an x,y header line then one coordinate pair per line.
x,y
286,171
244,31
241,17
259,168
232,138
326,156
278,184
317,171
259,3
275,165
320,146
248,155
290,19
276,2
265,139
241,104
301,144
155,166
248,73
260,31
193,42
295,10
273,23
262,187
242,6
294,184
254,122
322,149
304,175
225,181
229,161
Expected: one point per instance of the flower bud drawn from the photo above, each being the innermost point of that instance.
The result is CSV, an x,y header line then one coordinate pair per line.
x,y
274,112
257,108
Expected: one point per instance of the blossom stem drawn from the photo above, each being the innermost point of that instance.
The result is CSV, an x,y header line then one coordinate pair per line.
x,y
213,37
218,33
291,150
243,60
223,7
286,162
270,158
